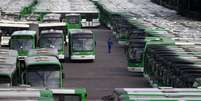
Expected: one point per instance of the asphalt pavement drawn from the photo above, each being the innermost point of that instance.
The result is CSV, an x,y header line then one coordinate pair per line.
x,y
107,72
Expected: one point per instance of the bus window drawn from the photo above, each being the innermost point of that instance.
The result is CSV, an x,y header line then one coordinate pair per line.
x,y
19,44
51,42
82,42
73,19
43,76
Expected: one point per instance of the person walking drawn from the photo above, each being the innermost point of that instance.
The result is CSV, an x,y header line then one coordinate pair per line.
x,y
109,44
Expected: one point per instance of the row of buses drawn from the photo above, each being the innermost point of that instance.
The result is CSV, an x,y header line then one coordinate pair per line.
x,y
81,43
51,34
39,78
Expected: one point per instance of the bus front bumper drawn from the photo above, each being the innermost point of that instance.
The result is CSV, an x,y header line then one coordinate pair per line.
x,y
83,57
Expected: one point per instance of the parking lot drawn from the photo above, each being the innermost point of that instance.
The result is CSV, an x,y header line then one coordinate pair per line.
x,y
107,72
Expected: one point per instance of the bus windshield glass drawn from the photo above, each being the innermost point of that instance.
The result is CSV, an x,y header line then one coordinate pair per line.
x,y
73,19
21,44
51,42
43,76
82,42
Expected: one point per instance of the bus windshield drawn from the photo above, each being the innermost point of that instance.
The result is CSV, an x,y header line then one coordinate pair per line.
x,y
46,77
51,42
21,44
73,19
82,42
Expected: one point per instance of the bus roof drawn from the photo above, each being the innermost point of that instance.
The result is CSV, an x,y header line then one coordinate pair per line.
x,y
8,52
52,24
7,70
25,95
24,32
79,31
8,60
51,31
38,60
72,14
43,52
69,91
52,15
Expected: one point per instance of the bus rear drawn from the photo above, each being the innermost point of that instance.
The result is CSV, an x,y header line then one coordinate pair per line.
x,y
82,44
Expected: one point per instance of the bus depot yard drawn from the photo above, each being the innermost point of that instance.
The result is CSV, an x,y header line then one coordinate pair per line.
x,y
46,45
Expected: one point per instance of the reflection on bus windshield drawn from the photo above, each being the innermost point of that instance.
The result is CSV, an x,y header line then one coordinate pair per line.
x,y
43,78
51,42
82,44
19,44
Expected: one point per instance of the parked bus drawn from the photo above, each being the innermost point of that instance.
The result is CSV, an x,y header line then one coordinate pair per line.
x,y
90,19
82,44
157,94
25,94
53,39
7,29
73,21
63,94
42,94
22,41
43,71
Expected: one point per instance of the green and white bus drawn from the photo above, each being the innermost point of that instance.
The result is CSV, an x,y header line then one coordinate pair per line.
x,y
52,39
25,94
82,44
63,94
157,94
43,71
73,21
42,94
43,52
22,41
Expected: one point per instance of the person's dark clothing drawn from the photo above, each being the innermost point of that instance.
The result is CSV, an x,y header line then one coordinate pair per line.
x,y
109,43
